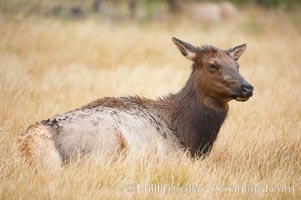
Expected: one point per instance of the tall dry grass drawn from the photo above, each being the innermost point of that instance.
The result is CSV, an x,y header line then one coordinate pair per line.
x,y
50,66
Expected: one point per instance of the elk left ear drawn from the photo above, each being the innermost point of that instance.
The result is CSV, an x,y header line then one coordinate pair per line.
x,y
187,50
237,51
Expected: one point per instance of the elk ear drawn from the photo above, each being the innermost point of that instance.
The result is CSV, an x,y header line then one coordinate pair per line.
x,y
187,50
237,51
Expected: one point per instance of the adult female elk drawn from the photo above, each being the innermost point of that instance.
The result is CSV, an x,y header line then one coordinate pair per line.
x,y
188,120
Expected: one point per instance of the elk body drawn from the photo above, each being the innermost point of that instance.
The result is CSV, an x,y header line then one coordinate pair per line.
x,y
186,121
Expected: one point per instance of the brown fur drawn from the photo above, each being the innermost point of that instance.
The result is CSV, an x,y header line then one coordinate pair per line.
x,y
123,146
197,112
194,114
120,103
25,149
38,148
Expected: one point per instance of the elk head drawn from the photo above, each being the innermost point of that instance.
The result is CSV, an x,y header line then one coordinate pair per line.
x,y
216,72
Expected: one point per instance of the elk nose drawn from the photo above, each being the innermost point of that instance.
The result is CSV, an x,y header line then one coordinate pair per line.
x,y
247,89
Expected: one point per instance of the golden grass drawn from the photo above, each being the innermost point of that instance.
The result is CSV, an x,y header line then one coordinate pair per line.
x,y
50,66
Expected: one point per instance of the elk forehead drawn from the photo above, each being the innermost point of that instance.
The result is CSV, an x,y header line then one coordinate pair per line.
x,y
213,55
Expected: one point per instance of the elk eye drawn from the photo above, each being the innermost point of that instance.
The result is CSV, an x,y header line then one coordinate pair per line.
x,y
212,66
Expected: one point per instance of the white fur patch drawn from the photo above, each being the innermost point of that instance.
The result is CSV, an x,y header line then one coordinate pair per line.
x,y
190,55
227,78
93,131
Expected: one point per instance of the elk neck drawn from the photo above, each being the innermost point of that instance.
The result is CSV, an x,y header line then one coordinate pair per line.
x,y
195,118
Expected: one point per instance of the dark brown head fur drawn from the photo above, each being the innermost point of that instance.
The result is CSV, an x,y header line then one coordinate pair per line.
x,y
216,73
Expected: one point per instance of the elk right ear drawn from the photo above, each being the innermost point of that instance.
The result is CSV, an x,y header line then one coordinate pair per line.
x,y
187,50
236,52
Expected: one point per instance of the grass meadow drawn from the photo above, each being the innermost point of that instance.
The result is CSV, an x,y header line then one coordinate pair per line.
x,y
50,66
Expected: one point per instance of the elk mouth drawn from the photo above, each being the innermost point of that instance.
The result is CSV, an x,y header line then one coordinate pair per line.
x,y
241,96
238,98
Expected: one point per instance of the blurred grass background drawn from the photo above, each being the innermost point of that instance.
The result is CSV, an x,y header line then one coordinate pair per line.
x,y
77,8
59,55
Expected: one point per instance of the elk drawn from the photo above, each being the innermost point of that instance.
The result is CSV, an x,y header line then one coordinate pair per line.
x,y
186,121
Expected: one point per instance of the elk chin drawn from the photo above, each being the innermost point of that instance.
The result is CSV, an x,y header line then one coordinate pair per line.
x,y
241,98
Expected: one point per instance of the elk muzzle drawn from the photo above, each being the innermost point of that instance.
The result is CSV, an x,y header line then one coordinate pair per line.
x,y
246,91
